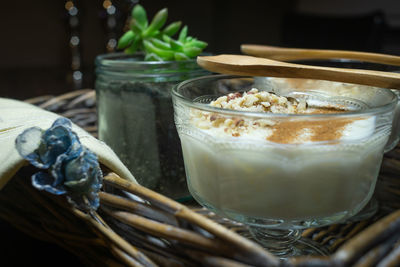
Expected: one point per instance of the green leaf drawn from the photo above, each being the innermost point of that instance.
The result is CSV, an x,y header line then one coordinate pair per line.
x,y
183,34
191,51
160,44
172,28
152,57
166,38
154,34
180,56
130,50
135,27
197,43
134,45
164,54
139,14
126,39
158,21
155,41
175,45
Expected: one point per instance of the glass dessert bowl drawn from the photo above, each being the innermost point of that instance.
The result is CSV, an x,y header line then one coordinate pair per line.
x,y
279,164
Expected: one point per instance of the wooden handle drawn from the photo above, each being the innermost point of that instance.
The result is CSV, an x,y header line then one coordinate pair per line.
x,y
255,66
289,54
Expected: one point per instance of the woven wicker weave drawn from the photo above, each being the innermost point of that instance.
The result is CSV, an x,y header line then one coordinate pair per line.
x,y
154,230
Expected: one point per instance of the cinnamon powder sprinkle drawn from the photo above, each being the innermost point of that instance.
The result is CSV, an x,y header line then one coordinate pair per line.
x,y
288,132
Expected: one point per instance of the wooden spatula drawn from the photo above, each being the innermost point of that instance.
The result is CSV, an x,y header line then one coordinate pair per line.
x,y
256,66
290,54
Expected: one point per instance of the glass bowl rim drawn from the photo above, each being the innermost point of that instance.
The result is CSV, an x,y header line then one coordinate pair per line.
x,y
205,107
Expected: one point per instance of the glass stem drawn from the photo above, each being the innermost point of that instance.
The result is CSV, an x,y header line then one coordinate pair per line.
x,y
278,242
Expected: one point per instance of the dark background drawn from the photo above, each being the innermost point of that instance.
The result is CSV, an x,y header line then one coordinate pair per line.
x,y
37,53
45,44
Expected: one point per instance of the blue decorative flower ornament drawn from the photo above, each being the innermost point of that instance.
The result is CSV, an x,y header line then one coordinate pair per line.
x,y
68,167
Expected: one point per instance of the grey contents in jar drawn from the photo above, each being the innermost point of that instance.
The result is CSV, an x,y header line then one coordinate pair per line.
x,y
137,122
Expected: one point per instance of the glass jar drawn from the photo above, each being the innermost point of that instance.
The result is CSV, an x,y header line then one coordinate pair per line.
x,y
136,117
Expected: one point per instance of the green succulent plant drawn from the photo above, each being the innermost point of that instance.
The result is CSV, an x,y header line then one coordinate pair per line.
x,y
157,42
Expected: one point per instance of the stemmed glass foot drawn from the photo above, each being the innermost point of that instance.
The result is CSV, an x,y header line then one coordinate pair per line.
x,y
285,243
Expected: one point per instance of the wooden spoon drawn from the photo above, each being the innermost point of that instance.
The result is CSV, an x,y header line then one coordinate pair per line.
x,y
255,66
288,54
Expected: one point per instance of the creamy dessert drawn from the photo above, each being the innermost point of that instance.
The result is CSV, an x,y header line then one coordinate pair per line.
x,y
280,130
288,167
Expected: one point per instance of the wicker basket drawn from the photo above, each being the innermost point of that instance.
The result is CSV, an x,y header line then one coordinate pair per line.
x,y
150,229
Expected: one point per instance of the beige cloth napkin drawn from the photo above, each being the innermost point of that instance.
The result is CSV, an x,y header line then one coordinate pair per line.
x,y
16,116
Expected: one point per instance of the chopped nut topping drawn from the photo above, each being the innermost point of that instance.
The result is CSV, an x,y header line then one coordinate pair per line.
x,y
275,130
260,101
